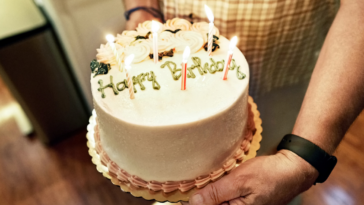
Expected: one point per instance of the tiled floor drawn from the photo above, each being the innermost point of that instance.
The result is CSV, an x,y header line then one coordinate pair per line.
x,y
31,173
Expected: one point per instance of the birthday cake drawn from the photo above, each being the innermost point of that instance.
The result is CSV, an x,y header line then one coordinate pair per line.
x,y
168,139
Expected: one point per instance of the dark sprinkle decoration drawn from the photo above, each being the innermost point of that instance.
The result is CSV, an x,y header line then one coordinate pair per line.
x,y
168,53
214,46
140,37
148,34
175,31
161,54
143,37
94,64
214,38
101,67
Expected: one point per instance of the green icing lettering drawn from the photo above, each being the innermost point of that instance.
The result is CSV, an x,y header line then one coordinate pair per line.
x,y
153,78
124,85
197,64
213,65
220,65
213,68
139,80
110,85
173,68
190,73
239,74
233,65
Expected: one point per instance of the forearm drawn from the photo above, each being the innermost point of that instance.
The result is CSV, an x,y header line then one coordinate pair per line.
x,y
335,95
140,16
130,4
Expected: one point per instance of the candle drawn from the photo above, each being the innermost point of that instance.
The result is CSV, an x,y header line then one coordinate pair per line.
x,y
110,38
155,28
229,56
210,16
128,61
186,54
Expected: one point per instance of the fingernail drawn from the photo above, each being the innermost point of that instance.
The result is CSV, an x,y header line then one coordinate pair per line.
x,y
196,200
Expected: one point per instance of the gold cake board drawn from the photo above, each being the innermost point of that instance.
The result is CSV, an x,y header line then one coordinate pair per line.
x,y
160,195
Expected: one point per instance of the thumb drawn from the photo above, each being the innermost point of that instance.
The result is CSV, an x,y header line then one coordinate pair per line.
x,y
225,189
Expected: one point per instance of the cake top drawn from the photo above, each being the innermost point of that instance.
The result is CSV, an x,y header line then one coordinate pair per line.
x,y
159,100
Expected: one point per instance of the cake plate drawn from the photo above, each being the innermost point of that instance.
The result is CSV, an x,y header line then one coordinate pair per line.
x,y
160,196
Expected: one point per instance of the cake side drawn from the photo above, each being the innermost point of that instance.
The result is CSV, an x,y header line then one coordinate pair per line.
x,y
116,172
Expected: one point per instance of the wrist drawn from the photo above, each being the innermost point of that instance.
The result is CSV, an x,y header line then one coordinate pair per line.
x,y
305,171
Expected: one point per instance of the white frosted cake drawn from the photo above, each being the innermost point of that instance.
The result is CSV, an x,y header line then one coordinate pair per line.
x,y
167,138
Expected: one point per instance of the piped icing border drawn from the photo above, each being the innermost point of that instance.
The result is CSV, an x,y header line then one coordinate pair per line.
x,y
116,172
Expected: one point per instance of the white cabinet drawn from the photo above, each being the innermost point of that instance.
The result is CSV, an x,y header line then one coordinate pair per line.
x,y
81,25
17,16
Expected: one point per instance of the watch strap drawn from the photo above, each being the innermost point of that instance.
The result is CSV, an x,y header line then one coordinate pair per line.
x,y
155,12
313,154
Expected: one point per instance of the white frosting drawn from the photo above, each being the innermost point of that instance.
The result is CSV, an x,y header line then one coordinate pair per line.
x,y
145,27
169,134
130,33
106,55
166,41
141,50
203,29
188,38
125,40
177,23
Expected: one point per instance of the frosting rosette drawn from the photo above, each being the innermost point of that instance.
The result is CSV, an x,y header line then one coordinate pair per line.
x,y
177,23
192,39
145,27
166,41
130,33
106,55
203,29
141,49
124,40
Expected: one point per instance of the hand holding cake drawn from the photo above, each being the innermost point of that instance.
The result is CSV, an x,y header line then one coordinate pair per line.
x,y
255,182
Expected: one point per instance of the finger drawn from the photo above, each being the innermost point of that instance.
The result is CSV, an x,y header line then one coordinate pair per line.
x,y
225,203
237,201
225,189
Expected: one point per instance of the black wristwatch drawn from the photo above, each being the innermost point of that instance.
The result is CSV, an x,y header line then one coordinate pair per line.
x,y
313,154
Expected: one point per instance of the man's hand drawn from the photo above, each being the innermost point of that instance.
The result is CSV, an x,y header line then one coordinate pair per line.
x,y
274,179
139,17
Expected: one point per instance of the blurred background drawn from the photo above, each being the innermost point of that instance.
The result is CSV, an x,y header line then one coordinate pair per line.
x,y
45,103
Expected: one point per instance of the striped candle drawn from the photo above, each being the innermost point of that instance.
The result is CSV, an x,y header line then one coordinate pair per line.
x,y
186,54
229,56
110,38
155,28
128,61
210,16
